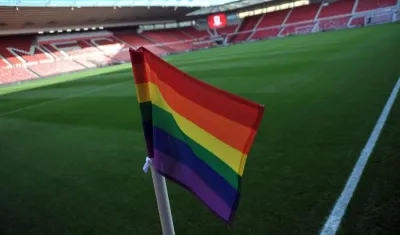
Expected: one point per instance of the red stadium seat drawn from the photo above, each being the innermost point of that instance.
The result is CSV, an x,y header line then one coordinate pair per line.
x,y
336,23
303,13
297,29
69,48
21,49
367,5
340,7
195,33
357,21
27,57
275,18
245,29
11,75
58,67
266,33
227,30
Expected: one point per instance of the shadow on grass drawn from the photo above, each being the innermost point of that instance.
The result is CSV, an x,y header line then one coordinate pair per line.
x,y
101,112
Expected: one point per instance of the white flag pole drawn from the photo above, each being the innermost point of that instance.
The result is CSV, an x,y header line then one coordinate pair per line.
x,y
160,188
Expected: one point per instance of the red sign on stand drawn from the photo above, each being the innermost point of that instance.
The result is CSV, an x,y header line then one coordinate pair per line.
x,y
217,21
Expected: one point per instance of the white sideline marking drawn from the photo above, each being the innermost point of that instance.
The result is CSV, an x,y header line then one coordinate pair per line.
x,y
61,99
332,224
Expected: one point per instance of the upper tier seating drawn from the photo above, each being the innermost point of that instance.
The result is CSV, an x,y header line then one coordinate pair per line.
x,y
248,25
340,7
367,5
275,18
303,13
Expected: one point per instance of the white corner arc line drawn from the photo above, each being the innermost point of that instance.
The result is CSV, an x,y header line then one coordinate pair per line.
x,y
333,222
60,99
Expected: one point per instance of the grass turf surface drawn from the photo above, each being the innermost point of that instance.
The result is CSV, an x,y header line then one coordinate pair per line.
x,y
71,162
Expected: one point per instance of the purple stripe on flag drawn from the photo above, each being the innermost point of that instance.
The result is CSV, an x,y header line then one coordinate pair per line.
x,y
148,136
186,177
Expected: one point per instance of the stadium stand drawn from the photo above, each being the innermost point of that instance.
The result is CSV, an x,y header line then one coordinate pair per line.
x,y
227,30
357,21
333,23
25,56
303,13
245,29
50,69
300,28
336,8
266,33
199,34
11,75
19,50
367,5
276,18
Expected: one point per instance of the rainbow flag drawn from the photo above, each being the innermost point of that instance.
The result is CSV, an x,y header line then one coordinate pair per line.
x,y
197,135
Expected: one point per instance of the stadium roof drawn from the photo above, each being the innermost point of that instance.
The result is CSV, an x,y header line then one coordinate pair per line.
x,y
227,6
34,19
107,3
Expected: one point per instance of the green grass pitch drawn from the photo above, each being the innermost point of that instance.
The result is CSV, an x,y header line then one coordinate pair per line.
x,y
71,152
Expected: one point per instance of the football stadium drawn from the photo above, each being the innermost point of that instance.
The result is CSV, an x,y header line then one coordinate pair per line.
x,y
324,160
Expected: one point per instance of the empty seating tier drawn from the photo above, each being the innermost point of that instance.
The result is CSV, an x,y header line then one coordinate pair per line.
x,y
162,36
273,19
196,33
227,30
266,33
71,48
357,21
297,29
335,23
20,50
367,5
303,13
27,57
58,67
245,29
11,75
340,7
